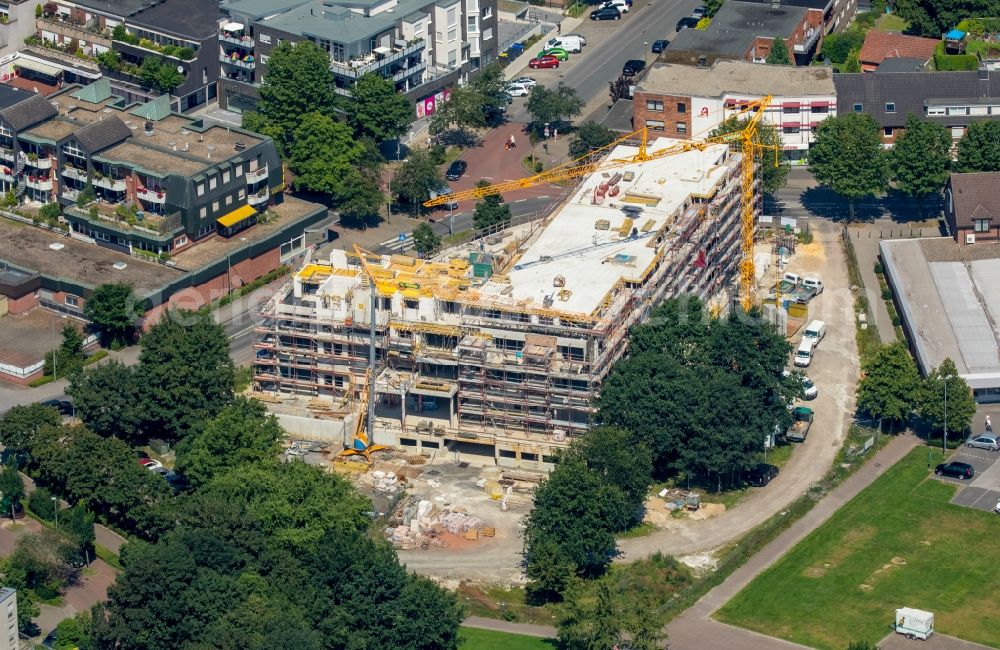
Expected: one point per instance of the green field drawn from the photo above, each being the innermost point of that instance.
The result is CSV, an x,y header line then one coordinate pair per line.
x,y
898,543
475,639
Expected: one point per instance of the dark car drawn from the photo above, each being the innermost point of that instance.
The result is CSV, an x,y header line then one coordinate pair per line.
x,y
686,22
606,13
65,407
955,470
633,67
659,46
456,170
762,474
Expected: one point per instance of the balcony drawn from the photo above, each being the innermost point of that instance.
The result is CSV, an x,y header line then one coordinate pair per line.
x,y
6,154
73,172
69,194
372,63
257,175
258,199
41,162
113,184
39,183
808,41
6,174
409,72
242,41
151,196
73,30
239,63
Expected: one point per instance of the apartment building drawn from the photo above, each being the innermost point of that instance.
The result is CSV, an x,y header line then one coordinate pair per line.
x,y
8,605
179,35
686,101
424,47
499,349
17,22
162,180
952,99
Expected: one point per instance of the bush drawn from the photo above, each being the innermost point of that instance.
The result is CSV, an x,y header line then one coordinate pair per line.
x,y
50,211
185,53
887,294
837,47
538,167
41,504
956,62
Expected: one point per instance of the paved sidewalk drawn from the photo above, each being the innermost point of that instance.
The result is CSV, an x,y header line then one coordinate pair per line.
x,y
482,623
865,239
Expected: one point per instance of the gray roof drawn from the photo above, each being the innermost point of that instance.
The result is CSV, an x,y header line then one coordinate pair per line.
x,y
194,19
737,77
911,92
10,95
619,118
103,134
734,27
809,4
257,9
901,64
29,112
334,21
116,7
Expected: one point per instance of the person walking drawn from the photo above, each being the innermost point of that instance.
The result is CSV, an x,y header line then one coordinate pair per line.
x,y
513,143
558,28
989,423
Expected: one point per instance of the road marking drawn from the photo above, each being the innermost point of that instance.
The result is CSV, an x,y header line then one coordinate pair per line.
x,y
545,196
520,200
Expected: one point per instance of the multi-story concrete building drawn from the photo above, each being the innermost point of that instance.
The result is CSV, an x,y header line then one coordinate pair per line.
x,y
500,351
424,47
689,101
8,609
17,22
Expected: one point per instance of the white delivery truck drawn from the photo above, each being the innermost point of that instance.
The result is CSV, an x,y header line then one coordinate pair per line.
x,y
815,331
914,623
804,353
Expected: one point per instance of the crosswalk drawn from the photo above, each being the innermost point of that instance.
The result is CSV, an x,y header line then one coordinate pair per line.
x,y
396,246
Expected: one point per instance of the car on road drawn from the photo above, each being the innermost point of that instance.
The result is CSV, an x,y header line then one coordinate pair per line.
x,y
65,407
699,12
955,470
518,90
988,441
762,474
544,62
685,23
660,45
525,81
456,170
633,67
809,389
557,52
606,13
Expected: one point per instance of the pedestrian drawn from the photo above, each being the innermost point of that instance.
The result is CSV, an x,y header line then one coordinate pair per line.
x,y
506,144
512,142
558,28
555,134
989,424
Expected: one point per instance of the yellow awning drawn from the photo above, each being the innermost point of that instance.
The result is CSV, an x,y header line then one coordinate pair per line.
x,y
236,216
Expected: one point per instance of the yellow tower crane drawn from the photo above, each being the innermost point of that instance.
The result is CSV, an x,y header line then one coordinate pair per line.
x,y
749,143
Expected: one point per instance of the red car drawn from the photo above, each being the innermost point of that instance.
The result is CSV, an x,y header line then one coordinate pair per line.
x,y
544,62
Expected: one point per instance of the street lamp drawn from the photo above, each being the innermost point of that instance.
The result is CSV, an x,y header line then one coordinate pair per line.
x,y
55,509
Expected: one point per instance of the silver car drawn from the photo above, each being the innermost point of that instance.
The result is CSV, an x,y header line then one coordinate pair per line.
x,y
988,441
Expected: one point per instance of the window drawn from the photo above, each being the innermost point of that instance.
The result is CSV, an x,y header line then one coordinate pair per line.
x,y
229,200
200,189
226,176
682,128
242,194
791,130
440,37
890,107
487,33
452,16
681,107
73,301
215,206
472,24
337,52
239,170
453,58
212,183
264,38
653,105
821,110
654,125
858,108
264,58
203,212
958,110
487,11
180,241
981,225
452,34
887,131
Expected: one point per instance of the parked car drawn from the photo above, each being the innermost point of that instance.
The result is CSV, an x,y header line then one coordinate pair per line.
x,y
583,39
544,62
525,81
150,464
518,90
802,419
815,332
762,474
633,67
568,43
988,441
955,470
65,407
685,23
621,5
606,13
660,45
812,282
699,12
557,52
809,389
456,170
804,353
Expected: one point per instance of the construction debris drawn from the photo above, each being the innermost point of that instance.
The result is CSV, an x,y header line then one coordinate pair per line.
x,y
420,524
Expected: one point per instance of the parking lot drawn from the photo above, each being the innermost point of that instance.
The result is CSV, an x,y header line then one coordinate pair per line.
x,y
983,491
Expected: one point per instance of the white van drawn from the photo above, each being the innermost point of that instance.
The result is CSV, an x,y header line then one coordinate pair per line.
x,y
571,44
804,354
815,331
792,277
812,282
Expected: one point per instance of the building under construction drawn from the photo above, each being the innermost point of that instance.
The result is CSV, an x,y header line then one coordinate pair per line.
x,y
500,350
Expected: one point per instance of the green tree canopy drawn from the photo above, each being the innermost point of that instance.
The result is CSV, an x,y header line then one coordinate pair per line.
x,y
463,111
889,385
114,309
491,87
243,432
779,53
78,524
588,137
491,211
773,168
838,46
930,399
848,157
362,198
109,401
377,110
979,148
324,154
853,62
921,157
415,179
19,425
68,358
553,105
934,17
425,240
11,487
185,373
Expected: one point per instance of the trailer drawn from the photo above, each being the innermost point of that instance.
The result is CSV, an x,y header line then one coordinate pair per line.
x,y
914,623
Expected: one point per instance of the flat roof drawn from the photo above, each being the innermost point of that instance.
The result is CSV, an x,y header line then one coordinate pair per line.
x,y
194,19
257,9
588,260
738,77
78,261
735,25
949,296
335,20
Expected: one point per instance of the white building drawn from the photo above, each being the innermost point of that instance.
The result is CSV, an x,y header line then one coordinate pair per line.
x,y
8,607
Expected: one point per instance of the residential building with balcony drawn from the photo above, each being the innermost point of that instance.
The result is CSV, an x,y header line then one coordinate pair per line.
x,y
17,22
424,48
178,34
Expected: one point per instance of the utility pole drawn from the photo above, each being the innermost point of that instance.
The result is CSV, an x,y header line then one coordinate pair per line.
x,y
944,434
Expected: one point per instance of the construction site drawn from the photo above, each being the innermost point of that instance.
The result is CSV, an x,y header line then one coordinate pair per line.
x,y
492,353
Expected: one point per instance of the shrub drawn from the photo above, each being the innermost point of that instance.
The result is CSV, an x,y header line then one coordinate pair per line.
x,y
956,62
185,53
50,211
538,167
41,504
886,294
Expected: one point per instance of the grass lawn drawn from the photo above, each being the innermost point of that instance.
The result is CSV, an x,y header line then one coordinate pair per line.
x,y
891,23
475,639
898,543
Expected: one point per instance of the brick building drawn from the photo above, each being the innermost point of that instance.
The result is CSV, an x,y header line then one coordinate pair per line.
x,y
972,207
880,46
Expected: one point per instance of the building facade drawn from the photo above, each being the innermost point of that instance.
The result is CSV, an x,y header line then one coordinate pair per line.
x,y
972,207
8,605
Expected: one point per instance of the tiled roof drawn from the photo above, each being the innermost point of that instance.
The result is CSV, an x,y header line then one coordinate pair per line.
x,y
31,111
103,134
975,196
880,46
96,92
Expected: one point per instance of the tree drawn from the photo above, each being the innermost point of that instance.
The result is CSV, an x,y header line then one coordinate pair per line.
x,y
185,373
78,524
491,212
921,157
168,78
115,310
415,179
552,572
592,628
930,401
491,87
27,609
553,106
323,154
779,53
377,110
889,383
979,148
243,432
848,157
934,17
589,137
41,503
74,633
11,487
19,425
362,199
69,357
773,170
853,62
425,240
611,453
109,400
298,82
464,111
837,47
40,562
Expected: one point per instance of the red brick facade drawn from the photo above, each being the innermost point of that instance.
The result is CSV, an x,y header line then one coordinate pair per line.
x,y
27,302
673,111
